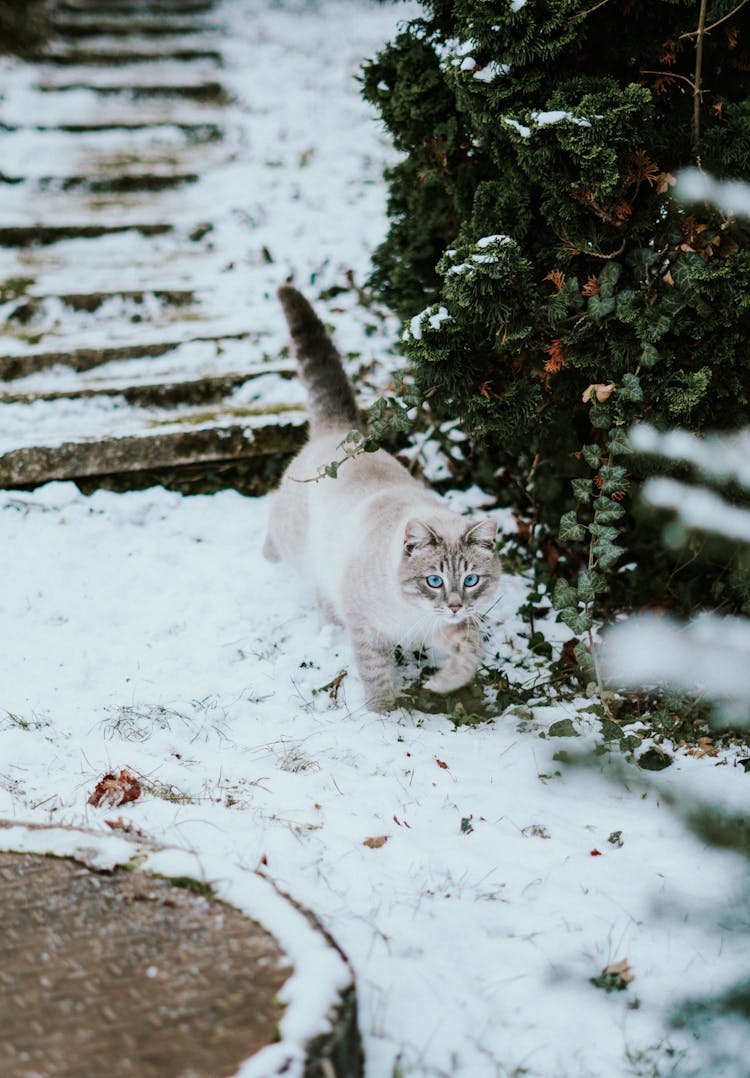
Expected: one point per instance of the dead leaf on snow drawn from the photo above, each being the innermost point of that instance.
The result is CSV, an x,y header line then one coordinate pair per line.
x,y
114,790
703,747
122,825
376,843
536,830
441,763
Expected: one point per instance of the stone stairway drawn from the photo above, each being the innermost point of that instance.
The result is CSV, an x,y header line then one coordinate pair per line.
x,y
126,358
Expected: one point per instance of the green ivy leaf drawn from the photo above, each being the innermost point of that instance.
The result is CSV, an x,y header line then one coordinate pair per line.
x,y
608,278
607,511
570,617
592,454
603,533
649,356
600,307
630,389
600,419
607,554
570,530
582,490
564,595
617,442
590,584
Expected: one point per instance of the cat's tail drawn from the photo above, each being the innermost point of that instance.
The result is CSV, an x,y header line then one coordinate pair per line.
x,y
332,404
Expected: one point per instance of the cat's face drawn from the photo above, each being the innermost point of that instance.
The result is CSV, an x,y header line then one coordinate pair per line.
x,y
452,577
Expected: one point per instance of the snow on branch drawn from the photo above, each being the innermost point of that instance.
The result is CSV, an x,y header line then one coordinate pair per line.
x,y
699,509
722,457
731,196
709,657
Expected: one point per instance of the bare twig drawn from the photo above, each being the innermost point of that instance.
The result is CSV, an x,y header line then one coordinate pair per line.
x,y
708,29
591,10
671,75
697,92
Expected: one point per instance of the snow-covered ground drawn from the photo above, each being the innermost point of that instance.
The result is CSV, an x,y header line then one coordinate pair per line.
x,y
144,631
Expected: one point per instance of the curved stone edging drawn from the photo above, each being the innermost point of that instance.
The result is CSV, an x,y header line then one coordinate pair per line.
x,y
318,1033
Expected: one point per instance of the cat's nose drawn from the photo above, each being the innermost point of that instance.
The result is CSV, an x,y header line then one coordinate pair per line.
x,y
454,607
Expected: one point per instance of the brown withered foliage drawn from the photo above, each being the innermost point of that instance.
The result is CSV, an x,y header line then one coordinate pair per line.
x,y
640,169
114,790
556,360
557,277
591,288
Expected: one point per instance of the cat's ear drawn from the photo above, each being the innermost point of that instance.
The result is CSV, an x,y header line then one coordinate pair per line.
x,y
483,533
417,535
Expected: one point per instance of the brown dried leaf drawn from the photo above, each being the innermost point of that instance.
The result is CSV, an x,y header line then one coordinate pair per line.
x,y
441,763
557,277
591,288
621,970
535,830
114,790
122,825
599,390
376,843
663,182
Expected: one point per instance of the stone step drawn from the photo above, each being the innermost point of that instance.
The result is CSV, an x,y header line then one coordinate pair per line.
x,y
147,76
164,150
145,52
36,235
161,262
208,390
193,131
24,362
139,181
83,26
96,8
25,105
205,91
92,301
148,452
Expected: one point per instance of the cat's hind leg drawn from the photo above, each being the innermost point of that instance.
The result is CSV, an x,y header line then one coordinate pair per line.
x,y
463,642
270,550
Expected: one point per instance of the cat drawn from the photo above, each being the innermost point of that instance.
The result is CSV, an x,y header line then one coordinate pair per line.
x,y
388,559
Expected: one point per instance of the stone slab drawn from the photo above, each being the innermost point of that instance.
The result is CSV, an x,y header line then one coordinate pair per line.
x,y
121,958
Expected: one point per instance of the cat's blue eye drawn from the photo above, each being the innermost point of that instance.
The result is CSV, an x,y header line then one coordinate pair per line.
x,y
471,580
435,581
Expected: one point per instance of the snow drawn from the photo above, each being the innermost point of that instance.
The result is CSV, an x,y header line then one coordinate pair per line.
x,y
699,509
144,630
718,456
732,196
441,315
709,656
487,241
491,71
522,129
544,119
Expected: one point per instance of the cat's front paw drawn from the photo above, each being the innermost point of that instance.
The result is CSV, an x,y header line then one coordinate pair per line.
x,y
381,702
443,682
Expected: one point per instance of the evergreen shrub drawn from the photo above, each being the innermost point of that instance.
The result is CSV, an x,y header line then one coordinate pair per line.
x,y
552,287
